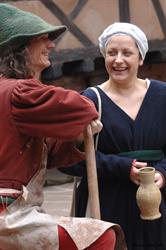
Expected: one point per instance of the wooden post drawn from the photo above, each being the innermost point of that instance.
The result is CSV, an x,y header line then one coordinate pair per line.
x,y
92,174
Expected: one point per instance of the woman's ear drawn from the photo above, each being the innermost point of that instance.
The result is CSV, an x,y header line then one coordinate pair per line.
x,y
141,61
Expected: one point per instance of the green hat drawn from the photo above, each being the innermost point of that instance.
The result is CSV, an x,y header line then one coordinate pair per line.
x,y
17,27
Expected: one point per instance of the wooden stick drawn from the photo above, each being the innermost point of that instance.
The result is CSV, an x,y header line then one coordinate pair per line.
x,y
92,173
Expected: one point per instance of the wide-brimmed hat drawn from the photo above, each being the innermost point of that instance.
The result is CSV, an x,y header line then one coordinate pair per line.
x,y
17,27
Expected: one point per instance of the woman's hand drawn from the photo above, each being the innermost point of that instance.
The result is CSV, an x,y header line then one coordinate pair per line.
x,y
134,172
159,179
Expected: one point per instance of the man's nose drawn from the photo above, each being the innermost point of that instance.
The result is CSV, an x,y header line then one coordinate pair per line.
x,y
51,44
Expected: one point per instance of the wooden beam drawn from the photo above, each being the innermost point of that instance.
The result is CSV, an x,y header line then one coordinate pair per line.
x,y
68,22
77,9
69,55
68,69
160,15
124,11
52,72
156,57
89,66
93,52
82,66
157,45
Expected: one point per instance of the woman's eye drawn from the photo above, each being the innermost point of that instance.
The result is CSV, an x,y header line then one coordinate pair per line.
x,y
127,53
112,53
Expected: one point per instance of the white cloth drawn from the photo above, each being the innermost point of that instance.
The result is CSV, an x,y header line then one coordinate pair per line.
x,y
25,226
124,29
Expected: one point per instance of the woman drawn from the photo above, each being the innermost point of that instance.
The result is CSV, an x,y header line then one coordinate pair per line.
x,y
133,136
30,112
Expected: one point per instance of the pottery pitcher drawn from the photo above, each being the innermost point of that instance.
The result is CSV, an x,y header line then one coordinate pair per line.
x,y
148,195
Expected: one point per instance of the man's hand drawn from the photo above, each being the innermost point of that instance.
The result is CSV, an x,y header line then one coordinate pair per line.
x,y
96,126
93,128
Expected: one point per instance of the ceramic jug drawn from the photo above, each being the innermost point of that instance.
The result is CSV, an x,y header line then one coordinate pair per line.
x,y
148,195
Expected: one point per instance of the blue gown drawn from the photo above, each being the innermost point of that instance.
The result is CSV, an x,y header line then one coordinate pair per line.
x,y
117,193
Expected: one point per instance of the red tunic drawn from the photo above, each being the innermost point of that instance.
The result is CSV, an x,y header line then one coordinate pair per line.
x,y
31,111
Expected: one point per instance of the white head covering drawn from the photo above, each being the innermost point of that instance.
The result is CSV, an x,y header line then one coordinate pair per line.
x,y
124,29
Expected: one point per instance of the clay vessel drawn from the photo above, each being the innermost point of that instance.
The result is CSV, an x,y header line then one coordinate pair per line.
x,y
148,195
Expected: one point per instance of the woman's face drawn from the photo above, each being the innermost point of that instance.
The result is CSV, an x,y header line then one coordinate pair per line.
x,y
39,49
122,59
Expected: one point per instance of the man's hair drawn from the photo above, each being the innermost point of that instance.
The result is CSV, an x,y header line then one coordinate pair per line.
x,y
16,64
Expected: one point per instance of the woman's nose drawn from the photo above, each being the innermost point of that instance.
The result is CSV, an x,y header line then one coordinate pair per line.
x,y
119,58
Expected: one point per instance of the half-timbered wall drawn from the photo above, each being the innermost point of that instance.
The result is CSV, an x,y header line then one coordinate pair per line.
x,y
77,62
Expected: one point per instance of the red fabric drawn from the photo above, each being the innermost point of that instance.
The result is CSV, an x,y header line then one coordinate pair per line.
x,y
62,154
65,242
1,208
105,242
42,110
31,111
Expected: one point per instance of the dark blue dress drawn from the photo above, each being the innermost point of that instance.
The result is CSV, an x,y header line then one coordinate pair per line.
x,y
117,193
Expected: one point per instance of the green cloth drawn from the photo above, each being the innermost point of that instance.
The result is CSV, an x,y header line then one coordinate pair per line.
x,y
17,27
144,155
6,200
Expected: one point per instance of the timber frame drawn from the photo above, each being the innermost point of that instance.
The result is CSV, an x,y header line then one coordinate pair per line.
x,y
87,58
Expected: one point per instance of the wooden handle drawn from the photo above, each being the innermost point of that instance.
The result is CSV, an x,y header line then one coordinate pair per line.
x,y
92,173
